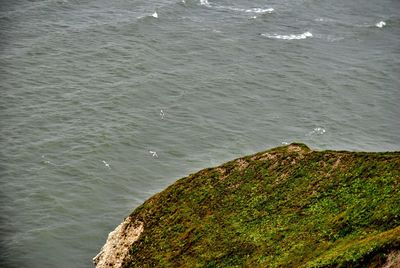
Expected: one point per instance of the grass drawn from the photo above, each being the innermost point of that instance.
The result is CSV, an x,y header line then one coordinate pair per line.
x,y
286,207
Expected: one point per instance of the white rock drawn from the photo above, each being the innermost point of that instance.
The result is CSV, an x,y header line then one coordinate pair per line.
x,y
118,244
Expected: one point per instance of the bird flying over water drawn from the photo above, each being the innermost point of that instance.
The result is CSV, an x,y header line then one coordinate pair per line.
x,y
154,154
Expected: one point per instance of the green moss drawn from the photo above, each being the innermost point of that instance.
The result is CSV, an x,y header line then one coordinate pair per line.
x,y
286,207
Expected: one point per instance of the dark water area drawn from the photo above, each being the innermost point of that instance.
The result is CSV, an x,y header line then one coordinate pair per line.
x,y
104,103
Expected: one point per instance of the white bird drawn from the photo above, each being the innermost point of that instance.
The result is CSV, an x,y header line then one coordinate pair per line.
x,y
155,15
106,164
380,24
162,114
154,154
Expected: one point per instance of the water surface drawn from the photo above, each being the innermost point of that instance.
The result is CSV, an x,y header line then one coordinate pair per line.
x,y
89,88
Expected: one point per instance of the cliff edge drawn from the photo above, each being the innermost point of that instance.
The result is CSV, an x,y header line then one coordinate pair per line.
x,y
285,207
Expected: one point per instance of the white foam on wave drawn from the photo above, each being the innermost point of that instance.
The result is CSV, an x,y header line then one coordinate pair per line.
x,y
380,24
251,10
290,36
260,10
154,15
205,3
255,10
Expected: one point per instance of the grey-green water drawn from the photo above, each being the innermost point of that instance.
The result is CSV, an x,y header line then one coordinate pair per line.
x,y
89,88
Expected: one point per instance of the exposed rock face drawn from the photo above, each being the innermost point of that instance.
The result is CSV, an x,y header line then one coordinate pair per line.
x,y
393,260
118,244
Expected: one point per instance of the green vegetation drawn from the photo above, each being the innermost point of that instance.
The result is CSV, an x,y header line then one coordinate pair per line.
x,y
286,207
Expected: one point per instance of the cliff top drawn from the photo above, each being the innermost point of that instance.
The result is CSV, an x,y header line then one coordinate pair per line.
x,y
285,207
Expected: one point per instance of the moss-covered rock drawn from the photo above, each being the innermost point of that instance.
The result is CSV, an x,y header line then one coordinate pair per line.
x,y
286,207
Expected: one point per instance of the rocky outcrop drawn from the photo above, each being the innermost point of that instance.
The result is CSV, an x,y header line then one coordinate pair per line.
x,y
118,244
392,259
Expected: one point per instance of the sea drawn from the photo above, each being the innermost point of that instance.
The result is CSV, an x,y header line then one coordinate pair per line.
x,y
105,103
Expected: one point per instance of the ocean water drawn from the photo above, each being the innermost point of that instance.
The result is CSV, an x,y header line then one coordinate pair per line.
x,y
104,103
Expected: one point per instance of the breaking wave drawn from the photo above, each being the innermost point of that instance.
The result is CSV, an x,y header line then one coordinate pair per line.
x,y
205,3
290,36
255,10
251,10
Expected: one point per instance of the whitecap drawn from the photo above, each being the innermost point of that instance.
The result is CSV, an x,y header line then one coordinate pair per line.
x,y
205,3
260,10
289,37
380,24
251,10
154,15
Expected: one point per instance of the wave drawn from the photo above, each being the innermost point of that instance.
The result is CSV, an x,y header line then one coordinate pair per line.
x,y
361,24
152,15
205,3
289,37
251,10
256,10
260,10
